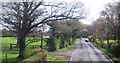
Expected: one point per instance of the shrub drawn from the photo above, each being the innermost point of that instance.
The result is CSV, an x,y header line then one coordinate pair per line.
x,y
38,57
51,44
115,49
28,52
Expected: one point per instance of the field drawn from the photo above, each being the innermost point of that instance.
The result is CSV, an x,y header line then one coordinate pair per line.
x,y
11,56
6,41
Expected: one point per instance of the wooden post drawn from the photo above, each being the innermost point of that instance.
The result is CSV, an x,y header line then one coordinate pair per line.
x,y
6,59
10,46
41,46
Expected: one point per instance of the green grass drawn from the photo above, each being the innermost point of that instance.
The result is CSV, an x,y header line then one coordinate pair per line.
x,y
110,41
53,58
108,53
56,59
9,40
67,48
0,55
13,40
11,56
73,46
6,41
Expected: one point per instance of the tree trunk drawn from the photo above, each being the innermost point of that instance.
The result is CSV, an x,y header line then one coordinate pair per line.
x,y
62,42
107,38
21,47
41,45
72,40
18,40
69,41
51,44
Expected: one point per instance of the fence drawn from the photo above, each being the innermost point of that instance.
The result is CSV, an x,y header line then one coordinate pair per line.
x,y
6,46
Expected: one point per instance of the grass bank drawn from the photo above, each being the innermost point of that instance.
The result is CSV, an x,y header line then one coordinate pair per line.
x,y
115,59
10,57
53,58
67,48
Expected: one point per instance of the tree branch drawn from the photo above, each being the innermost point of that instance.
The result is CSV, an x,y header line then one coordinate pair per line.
x,y
36,7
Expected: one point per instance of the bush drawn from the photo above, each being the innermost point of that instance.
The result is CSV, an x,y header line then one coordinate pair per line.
x,y
38,57
51,44
28,52
115,49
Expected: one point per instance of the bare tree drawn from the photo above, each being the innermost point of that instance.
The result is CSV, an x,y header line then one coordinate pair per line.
x,y
118,22
111,13
23,17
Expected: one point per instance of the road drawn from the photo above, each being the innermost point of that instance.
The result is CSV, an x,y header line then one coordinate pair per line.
x,y
86,52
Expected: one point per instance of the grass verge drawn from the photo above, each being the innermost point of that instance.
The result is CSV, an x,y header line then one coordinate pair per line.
x,y
66,48
73,46
10,57
115,59
53,58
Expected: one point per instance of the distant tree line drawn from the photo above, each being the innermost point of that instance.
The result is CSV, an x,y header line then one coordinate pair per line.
x,y
66,31
107,27
7,33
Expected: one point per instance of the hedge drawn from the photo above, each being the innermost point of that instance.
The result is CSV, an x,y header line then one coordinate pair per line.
x,y
38,57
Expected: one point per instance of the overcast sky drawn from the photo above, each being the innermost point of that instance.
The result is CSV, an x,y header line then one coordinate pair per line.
x,y
94,7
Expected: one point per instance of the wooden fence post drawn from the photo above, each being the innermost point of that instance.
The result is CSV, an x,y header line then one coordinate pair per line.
x,y
6,59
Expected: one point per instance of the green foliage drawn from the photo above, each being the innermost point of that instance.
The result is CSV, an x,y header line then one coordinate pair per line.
x,y
53,58
113,52
32,40
59,28
11,40
71,28
51,44
57,40
6,41
41,55
110,41
28,52
62,42
116,48
67,48
11,56
66,30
